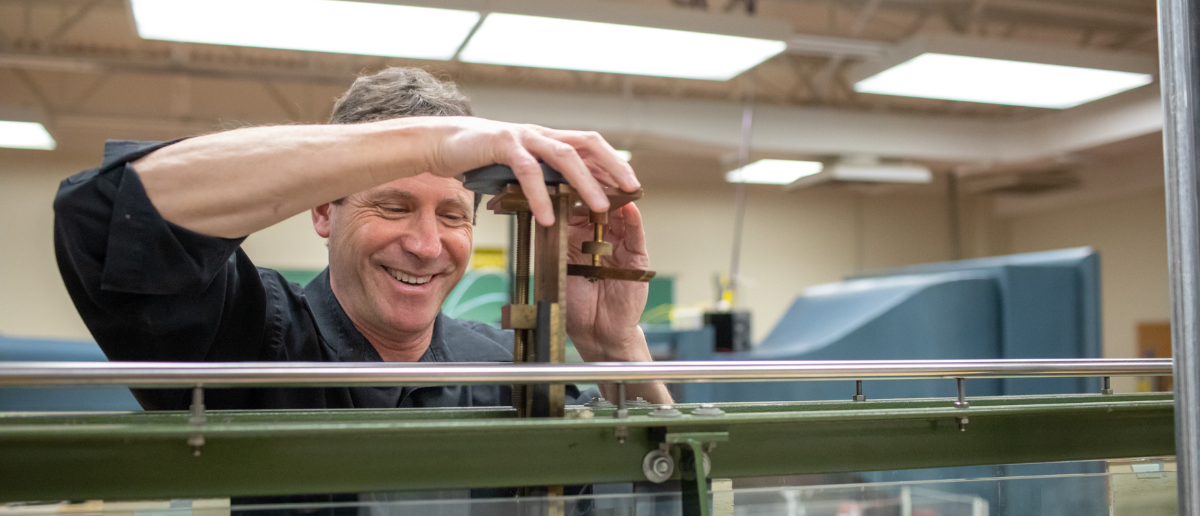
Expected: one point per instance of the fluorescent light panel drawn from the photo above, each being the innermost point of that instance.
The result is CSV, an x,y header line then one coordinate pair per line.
x,y
882,173
25,135
774,171
998,81
538,42
312,25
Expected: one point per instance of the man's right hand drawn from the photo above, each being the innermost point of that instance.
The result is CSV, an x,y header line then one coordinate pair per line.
x,y
584,158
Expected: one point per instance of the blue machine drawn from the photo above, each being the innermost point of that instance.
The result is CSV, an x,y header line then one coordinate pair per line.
x,y
97,398
1036,305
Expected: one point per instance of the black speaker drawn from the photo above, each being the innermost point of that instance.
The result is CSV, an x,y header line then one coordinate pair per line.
x,y
732,330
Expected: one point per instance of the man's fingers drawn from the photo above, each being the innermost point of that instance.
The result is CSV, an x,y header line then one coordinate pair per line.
x,y
566,160
612,170
533,184
634,236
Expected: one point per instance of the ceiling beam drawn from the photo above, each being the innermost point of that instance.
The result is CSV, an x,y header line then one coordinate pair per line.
x,y
822,132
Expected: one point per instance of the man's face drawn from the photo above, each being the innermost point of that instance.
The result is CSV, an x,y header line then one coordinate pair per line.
x,y
396,251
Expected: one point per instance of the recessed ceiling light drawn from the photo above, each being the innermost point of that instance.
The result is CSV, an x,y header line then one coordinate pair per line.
x,y
312,25
25,135
997,81
540,42
773,171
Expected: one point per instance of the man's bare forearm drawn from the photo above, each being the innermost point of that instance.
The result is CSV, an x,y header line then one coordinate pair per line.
x,y
234,183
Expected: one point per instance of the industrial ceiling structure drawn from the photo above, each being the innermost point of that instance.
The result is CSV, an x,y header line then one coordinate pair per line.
x,y
81,66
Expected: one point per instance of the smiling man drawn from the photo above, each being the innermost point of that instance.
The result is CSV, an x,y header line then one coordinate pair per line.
x,y
148,245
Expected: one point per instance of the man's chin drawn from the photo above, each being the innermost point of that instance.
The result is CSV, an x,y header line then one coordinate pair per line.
x,y
411,321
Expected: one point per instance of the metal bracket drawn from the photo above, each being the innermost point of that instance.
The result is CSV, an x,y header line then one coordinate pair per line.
x,y
694,467
196,417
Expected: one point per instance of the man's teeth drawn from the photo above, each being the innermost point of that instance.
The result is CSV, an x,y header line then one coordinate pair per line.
x,y
411,280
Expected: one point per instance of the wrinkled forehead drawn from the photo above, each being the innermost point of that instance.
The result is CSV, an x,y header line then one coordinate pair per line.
x,y
424,188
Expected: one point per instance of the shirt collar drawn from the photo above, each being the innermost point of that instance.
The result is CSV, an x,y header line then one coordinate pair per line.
x,y
347,343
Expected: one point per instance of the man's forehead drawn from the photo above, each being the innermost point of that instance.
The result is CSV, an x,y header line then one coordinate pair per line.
x,y
424,186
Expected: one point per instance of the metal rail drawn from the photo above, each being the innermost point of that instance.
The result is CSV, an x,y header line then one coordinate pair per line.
x,y
1179,57
314,374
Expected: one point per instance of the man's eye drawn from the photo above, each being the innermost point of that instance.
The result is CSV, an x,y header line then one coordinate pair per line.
x,y
395,209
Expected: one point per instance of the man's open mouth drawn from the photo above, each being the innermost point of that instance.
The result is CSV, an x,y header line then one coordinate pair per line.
x,y
407,279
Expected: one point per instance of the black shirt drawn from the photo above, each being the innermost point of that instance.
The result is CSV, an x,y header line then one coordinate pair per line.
x,y
152,291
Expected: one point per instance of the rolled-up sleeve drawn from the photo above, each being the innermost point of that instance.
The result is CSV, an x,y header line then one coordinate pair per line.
x,y
146,288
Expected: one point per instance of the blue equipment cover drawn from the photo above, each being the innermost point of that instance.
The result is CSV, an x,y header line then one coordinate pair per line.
x,y
1036,305
88,398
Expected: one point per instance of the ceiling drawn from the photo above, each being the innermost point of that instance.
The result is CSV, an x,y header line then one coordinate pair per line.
x,y
81,63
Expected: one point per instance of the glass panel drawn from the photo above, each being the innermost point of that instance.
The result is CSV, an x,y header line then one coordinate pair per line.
x,y
1136,487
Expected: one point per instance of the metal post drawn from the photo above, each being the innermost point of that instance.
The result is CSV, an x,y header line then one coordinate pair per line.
x,y
962,404
858,394
196,417
1178,57
622,412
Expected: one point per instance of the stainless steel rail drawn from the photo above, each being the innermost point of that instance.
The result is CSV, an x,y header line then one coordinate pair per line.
x,y
1179,58
312,374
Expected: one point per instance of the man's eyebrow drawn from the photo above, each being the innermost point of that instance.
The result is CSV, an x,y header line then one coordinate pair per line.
x,y
394,192
457,202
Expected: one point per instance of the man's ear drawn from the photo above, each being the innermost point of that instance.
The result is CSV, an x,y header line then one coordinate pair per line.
x,y
321,215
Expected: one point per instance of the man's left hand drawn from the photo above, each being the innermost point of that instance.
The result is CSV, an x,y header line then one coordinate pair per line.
x,y
602,316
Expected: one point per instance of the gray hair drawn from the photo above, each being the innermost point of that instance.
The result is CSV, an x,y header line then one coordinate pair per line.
x,y
398,93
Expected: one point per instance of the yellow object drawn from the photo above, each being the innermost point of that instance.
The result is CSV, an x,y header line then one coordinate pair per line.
x,y
487,257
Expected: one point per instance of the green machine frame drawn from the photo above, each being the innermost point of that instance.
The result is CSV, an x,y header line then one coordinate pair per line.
x,y
282,452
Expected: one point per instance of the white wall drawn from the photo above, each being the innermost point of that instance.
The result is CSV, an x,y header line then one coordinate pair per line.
x,y
33,300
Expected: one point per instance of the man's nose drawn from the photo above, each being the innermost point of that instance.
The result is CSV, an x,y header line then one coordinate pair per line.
x,y
422,238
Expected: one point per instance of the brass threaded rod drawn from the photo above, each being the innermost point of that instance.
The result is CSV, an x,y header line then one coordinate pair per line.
x,y
597,235
521,277
521,297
